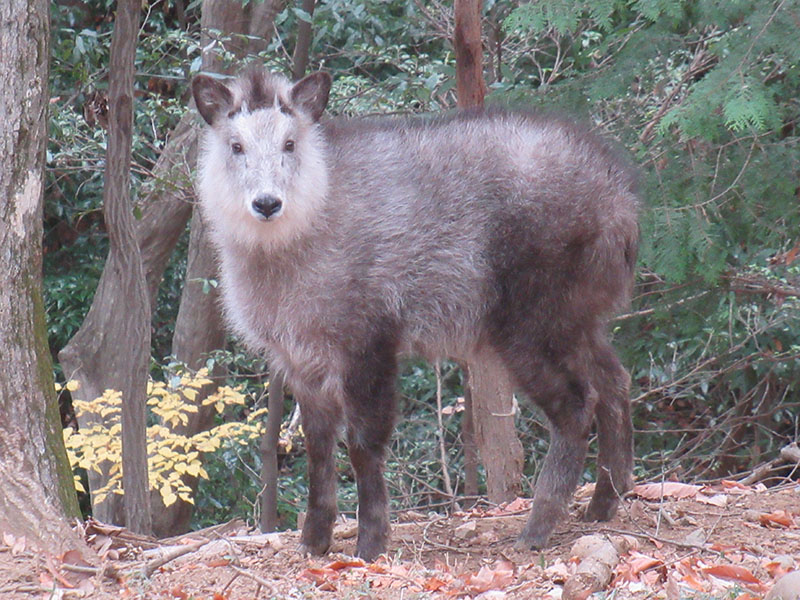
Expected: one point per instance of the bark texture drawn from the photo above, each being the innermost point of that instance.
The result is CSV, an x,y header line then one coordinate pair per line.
x,y
112,348
470,85
303,44
489,400
495,432
199,329
37,493
269,455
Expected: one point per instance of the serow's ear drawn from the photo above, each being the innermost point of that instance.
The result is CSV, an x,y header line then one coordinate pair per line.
x,y
212,97
311,94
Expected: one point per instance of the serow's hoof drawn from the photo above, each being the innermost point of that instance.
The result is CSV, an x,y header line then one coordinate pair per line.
x,y
312,549
527,544
601,509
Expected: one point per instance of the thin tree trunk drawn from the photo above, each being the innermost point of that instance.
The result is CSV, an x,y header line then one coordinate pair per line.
x,y
303,44
269,454
495,433
470,86
168,206
490,390
37,494
468,438
199,329
112,349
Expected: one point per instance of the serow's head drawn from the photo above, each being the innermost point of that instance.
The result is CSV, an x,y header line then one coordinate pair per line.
x,y
263,156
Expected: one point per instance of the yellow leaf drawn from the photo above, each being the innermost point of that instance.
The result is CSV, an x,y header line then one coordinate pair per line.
x,y
73,385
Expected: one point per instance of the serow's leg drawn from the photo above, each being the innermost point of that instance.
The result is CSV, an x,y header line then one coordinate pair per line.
x,y
614,436
320,428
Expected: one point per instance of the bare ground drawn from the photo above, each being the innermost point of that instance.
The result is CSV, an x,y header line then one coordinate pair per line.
x,y
729,541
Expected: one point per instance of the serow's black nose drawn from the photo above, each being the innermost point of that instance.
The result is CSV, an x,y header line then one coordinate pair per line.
x,y
267,206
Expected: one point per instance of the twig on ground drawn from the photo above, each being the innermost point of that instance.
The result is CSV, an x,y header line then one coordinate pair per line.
x,y
259,580
170,554
427,540
646,536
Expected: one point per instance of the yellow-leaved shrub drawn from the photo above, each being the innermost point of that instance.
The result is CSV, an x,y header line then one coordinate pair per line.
x,y
171,455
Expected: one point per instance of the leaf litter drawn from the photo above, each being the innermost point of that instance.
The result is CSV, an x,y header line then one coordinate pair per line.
x,y
666,540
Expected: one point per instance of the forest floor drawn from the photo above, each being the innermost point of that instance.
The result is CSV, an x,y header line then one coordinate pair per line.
x,y
676,541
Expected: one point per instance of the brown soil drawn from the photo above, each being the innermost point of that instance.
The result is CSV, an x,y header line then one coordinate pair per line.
x,y
724,542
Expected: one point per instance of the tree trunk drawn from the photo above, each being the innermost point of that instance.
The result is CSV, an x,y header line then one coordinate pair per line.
x,y
112,348
303,44
199,329
37,493
490,390
495,433
269,455
468,439
470,86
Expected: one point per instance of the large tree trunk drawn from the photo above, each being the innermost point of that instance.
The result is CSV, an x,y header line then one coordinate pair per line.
x,y
112,348
36,489
490,390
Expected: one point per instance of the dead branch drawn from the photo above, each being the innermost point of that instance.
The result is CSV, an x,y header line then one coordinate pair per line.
x,y
168,554
789,454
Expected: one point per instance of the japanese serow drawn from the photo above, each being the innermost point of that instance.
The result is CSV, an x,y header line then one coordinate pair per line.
x,y
347,242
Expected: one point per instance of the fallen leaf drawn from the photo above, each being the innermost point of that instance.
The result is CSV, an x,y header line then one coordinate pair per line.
x,y
674,489
731,485
324,579
433,584
732,573
715,500
779,566
490,578
338,565
778,518
218,562
518,505
177,592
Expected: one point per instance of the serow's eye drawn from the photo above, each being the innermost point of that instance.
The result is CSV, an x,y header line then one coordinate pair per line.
x,y
237,148
288,146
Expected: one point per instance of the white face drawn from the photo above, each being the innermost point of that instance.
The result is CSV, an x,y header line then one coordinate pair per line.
x,y
261,175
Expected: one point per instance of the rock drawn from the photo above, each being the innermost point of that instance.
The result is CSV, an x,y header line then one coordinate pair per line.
x,y
598,557
466,531
696,537
786,588
492,595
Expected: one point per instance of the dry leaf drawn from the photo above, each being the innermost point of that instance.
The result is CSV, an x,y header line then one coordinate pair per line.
x,y
490,578
177,592
779,566
338,565
433,584
735,485
778,518
674,489
732,573
715,500
519,505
